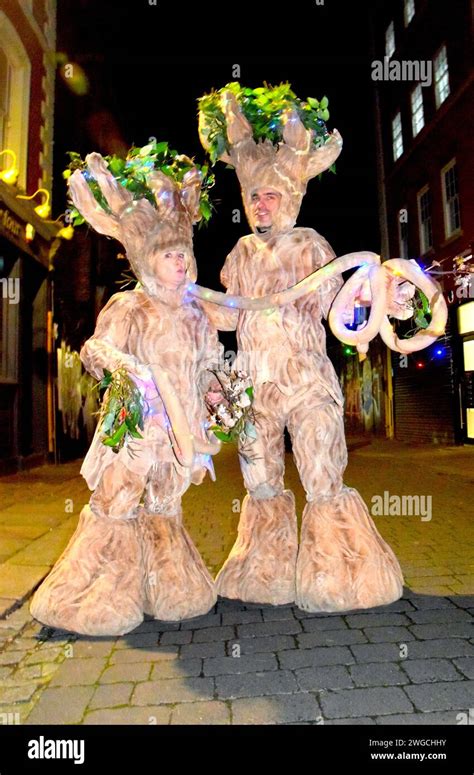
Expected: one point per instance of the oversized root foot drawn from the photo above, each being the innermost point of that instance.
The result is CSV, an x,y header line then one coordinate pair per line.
x,y
261,565
177,583
96,586
343,562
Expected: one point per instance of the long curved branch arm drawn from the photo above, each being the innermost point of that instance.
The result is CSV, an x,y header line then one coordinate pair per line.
x,y
383,283
439,310
308,284
184,444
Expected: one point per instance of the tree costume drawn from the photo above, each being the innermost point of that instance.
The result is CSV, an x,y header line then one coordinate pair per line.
x,y
126,558
341,562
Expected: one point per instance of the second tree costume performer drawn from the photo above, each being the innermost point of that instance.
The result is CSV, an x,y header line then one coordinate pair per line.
x,y
125,558
341,562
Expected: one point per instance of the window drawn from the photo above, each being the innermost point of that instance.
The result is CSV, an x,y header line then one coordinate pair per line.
x,y
424,215
417,114
4,103
452,214
397,137
15,71
408,11
441,76
403,232
390,40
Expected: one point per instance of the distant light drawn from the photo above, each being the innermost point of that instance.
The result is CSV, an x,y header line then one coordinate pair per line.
x,y
420,365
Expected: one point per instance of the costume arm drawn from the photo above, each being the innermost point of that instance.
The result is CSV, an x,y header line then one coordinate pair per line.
x,y
225,318
106,349
321,254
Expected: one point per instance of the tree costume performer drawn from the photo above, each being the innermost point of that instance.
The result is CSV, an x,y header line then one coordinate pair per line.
x,y
124,558
341,562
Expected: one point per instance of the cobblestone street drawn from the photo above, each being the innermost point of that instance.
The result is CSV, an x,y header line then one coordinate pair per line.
x,y
410,663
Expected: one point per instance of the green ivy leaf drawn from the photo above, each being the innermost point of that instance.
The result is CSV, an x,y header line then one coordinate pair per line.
x,y
112,441
226,437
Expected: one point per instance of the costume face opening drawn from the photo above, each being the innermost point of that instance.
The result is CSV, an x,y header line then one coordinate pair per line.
x,y
265,203
169,265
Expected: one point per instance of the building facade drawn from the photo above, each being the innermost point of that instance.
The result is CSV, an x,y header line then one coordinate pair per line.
x,y
424,99
27,77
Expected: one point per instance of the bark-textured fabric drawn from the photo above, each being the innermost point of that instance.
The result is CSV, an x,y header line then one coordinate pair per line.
x,y
124,559
342,563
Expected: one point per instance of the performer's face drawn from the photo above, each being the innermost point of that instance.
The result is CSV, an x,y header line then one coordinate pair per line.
x,y
170,267
265,203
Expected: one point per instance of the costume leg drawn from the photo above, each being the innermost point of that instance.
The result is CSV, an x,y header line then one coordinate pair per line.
x,y
96,586
343,562
261,565
177,582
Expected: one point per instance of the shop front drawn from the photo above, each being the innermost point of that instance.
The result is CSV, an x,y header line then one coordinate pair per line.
x,y
26,412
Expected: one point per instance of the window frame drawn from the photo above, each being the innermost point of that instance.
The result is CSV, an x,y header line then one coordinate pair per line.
x,y
19,108
390,36
437,79
398,115
418,89
446,209
409,9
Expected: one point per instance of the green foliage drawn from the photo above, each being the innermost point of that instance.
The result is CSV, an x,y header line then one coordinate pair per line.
x,y
122,411
422,316
131,173
264,107
421,313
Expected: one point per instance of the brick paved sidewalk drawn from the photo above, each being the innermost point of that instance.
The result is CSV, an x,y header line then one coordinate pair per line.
x,y
409,663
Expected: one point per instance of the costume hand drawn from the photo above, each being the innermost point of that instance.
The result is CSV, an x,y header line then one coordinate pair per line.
x,y
214,394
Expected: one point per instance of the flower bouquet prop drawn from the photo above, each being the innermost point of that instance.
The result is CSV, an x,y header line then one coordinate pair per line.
x,y
231,416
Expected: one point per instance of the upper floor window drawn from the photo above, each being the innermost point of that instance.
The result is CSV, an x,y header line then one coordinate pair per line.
x,y
452,213
390,40
408,11
15,72
424,216
441,76
5,80
397,137
417,114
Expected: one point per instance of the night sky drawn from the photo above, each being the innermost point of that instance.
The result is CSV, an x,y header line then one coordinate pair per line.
x,y
145,80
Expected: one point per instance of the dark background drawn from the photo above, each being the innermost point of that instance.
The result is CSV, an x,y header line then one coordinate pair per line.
x,y
148,65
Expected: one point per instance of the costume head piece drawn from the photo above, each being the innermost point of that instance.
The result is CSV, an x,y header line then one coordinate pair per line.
x,y
286,167
139,225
